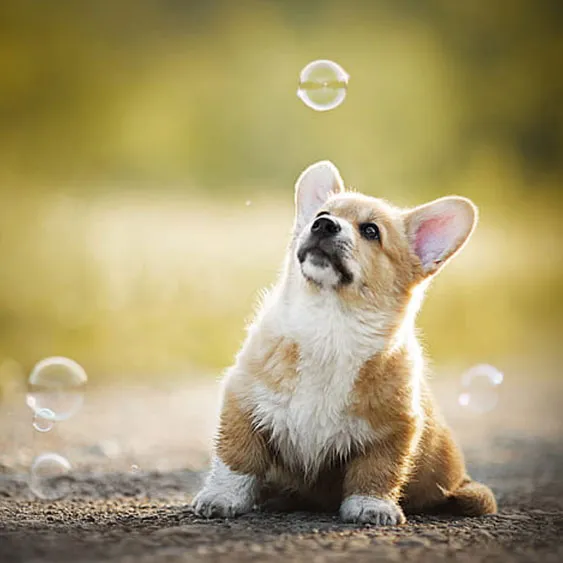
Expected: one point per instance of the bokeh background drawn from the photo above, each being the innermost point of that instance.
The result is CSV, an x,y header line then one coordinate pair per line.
x,y
148,151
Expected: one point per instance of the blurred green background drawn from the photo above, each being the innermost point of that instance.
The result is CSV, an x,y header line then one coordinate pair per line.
x,y
148,151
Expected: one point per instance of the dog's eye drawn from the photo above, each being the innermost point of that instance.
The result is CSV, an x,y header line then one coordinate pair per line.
x,y
370,231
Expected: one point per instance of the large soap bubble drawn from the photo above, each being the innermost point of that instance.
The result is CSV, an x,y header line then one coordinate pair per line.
x,y
47,476
56,389
323,85
480,388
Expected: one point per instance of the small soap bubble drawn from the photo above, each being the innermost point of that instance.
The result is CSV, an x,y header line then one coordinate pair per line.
x,y
323,85
248,203
109,448
56,385
480,388
135,468
43,420
47,478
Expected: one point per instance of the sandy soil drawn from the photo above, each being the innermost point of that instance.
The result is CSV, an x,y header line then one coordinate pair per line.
x,y
115,514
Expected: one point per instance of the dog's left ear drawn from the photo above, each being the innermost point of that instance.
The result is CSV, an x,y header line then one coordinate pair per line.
x,y
438,230
313,188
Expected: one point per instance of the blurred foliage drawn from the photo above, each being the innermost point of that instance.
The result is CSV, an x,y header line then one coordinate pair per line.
x,y
132,133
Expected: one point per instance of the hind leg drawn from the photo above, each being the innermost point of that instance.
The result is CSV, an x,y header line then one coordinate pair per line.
x,y
440,484
471,499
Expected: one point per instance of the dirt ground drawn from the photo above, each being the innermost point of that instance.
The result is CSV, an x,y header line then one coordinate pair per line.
x,y
114,513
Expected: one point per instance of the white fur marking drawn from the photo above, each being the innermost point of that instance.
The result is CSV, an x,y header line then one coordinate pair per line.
x,y
312,423
225,493
322,275
361,509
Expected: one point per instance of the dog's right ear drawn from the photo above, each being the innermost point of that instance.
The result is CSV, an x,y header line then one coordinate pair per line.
x,y
315,185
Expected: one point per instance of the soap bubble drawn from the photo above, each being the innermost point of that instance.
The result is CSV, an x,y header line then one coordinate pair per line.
x,y
323,85
56,388
48,476
43,420
480,388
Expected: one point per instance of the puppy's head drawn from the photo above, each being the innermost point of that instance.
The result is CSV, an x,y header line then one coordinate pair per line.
x,y
367,250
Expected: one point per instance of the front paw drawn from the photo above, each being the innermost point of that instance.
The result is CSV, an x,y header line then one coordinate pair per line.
x,y
212,504
361,509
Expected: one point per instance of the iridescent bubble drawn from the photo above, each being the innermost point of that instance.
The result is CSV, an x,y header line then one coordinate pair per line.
x,y
56,385
323,85
248,203
135,468
47,478
480,388
43,420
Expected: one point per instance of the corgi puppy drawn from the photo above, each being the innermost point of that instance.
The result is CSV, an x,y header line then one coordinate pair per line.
x,y
327,401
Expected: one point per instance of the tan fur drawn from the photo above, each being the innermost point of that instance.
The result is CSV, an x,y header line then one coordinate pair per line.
x,y
383,470
412,458
273,362
389,264
418,463
239,445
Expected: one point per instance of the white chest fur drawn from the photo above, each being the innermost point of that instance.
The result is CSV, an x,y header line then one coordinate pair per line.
x,y
311,423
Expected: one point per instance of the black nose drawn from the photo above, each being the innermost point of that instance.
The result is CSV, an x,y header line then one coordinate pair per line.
x,y
325,226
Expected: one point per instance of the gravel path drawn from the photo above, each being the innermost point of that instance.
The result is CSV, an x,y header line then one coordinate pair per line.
x,y
142,517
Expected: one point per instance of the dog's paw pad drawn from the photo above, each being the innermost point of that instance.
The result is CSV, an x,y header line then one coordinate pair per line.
x,y
361,509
